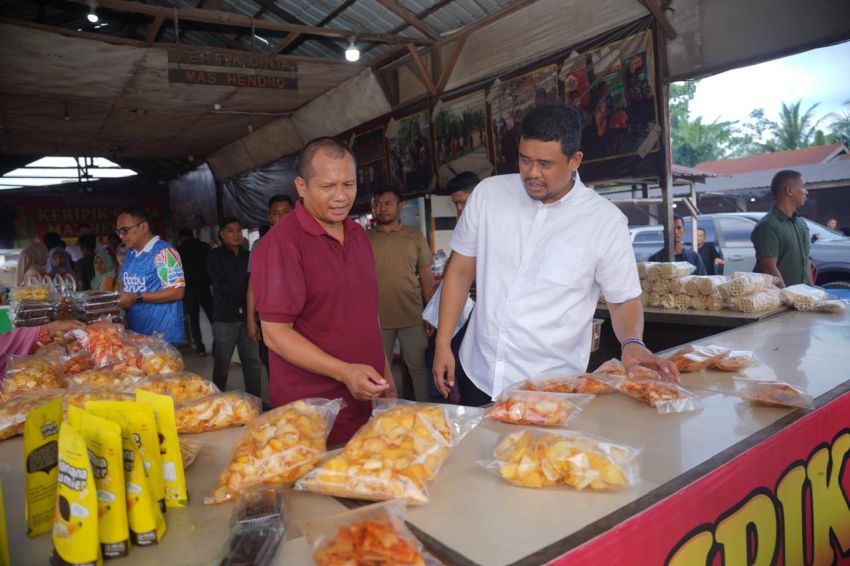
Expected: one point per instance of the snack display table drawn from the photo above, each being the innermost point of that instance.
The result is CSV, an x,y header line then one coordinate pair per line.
x,y
474,517
722,318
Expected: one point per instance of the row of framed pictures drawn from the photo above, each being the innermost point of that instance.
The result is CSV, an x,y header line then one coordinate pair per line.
x,y
613,87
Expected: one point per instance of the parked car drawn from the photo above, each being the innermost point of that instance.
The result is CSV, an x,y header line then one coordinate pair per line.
x,y
830,252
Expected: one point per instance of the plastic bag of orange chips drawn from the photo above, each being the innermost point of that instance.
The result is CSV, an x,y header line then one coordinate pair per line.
x,y
585,384
538,408
216,411
102,341
373,534
182,385
666,397
396,453
615,367
31,373
535,458
695,357
280,446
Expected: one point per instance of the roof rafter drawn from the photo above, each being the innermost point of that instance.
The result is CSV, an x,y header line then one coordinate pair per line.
x,y
409,17
217,17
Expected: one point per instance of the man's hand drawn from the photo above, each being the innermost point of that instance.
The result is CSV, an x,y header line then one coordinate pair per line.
x,y
126,300
635,354
444,370
429,330
58,328
364,382
253,329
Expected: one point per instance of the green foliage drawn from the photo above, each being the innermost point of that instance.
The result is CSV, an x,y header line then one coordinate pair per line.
x,y
840,127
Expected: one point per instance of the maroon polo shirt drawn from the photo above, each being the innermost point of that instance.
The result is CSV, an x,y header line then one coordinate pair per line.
x,y
327,290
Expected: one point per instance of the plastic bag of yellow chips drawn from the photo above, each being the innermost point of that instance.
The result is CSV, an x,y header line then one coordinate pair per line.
x,y
104,378
280,446
160,357
396,453
534,458
181,385
31,373
216,411
14,411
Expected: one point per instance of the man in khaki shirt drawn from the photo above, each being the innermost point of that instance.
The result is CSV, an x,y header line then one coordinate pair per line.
x,y
405,285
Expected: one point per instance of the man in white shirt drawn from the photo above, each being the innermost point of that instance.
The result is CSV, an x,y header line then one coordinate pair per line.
x,y
540,246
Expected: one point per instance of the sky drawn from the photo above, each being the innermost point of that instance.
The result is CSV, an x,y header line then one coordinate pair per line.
x,y
821,75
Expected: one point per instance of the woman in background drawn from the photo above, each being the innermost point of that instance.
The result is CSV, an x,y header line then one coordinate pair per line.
x,y
104,272
31,263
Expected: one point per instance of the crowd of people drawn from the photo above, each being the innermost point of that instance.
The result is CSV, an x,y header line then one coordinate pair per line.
x,y
322,303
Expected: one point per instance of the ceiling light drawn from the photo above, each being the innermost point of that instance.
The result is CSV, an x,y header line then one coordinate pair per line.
x,y
92,15
352,54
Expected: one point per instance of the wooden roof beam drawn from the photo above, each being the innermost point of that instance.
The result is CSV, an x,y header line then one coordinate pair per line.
x,y
424,76
409,17
660,17
217,17
153,30
447,72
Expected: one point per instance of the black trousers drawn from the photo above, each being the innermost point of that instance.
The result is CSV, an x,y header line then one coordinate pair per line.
x,y
194,299
470,395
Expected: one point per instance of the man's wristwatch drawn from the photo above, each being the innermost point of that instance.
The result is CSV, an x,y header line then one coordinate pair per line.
x,y
139,298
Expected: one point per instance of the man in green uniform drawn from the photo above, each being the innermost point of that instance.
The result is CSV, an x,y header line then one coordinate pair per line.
x,y
781,238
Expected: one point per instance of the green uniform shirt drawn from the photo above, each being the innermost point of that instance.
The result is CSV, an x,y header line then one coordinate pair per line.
x,y
787,239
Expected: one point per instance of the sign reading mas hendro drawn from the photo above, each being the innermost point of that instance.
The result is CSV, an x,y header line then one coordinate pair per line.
x,y
254,70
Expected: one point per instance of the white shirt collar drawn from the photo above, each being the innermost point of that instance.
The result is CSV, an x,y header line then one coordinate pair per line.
x,y
151,243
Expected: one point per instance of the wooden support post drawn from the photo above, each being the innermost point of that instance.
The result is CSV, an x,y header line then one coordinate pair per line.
x,y
153,30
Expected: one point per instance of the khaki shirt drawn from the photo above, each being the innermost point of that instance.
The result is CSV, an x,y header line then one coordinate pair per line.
x,y
399,255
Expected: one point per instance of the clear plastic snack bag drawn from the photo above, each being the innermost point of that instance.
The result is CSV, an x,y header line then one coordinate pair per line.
x,y
803,297
664,396
704,284
279,446
396,453
181,385
256,526
31,373
694,357
216,411
537,408
104,378
102,341
14,411
737,360
536,458
160,357
373,534
772,394
644,267
585,383
742,284
615,367
670,270
756,302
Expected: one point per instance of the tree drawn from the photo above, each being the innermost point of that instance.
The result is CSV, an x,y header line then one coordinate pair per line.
x,y
794,130
840,127
693,141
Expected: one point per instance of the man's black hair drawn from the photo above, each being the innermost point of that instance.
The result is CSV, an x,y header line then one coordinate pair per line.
x,y
331,147
677,217
137,212
185,233
554,121
227,220
781,179
465,182
384,190
53,240
88,241
281,198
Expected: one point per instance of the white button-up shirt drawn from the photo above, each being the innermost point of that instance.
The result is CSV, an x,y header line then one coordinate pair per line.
x,y
539,270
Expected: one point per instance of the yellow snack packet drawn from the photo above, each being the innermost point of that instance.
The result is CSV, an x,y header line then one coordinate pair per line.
x,y
145,518
75,513
41,436
142,426
106,454
173,474
5,560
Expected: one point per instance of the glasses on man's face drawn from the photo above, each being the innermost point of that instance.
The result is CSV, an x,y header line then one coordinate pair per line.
x,y
124,230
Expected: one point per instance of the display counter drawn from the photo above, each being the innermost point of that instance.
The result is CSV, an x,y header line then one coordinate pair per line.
x,y
475,517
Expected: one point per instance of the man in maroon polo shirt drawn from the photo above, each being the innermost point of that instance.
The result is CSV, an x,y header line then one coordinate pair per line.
x,y
314,280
